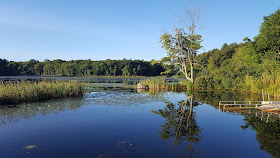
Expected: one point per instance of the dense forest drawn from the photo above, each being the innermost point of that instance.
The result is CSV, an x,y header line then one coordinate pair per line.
x,y
59,67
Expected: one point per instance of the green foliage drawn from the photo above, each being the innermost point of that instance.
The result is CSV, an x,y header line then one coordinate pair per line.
x,y
211,64
169,67
182,48
81,68
187,84
154,83
250,66
160,84
268,38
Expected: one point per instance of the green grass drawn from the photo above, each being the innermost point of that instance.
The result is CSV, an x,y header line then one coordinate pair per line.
x,y
161,84
26,91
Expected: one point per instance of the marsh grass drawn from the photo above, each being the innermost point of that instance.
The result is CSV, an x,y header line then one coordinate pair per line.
x,y
267,82
27,91
162,84
271,83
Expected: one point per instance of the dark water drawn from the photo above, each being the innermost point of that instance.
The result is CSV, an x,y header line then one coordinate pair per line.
x,y
112,124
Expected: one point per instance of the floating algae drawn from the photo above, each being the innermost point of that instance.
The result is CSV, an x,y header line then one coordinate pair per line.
x,y
30,147
120,98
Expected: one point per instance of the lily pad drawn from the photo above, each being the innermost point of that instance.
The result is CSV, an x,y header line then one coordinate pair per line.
x,y
30,147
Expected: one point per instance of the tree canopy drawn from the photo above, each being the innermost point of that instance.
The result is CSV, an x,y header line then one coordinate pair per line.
x,y
182,46
252,66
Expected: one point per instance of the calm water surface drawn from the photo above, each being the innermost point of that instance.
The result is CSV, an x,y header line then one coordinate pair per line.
x,y
112,124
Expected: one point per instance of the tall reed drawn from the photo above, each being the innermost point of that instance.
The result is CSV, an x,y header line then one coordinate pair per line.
x,y
266,82
271,83
27,91
161,84
154,83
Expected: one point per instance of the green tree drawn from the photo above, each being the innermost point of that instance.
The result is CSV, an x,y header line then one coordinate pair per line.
x,y
182,46
39,68
269,36
3,67
211,64
125,70
49,69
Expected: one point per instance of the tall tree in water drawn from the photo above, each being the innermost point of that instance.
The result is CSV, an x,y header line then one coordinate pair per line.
x,y
182,46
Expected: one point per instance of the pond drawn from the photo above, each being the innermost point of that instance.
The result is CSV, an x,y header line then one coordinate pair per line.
x,y
108,123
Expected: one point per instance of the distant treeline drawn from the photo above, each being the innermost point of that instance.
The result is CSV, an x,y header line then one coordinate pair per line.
x,y
125,67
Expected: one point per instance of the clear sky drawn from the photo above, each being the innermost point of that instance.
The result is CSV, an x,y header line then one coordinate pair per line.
x,y
117,29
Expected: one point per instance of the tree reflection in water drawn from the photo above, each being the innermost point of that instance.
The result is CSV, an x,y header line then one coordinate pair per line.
x,y
180,122
268,133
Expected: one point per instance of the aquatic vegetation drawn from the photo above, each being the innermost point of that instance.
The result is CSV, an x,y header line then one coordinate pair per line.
x,y
121,98
12,114
266,82
154,83
30,147
271,83
162,84
27,91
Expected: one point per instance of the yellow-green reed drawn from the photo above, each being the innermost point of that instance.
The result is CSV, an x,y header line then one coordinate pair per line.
x,y
266,82
161,84
27,91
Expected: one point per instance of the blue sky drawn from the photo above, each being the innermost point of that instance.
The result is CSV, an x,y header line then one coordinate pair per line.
x,y
117,29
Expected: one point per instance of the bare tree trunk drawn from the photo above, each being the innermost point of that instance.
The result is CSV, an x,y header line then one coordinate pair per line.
x,y
192,80
193,16
180,120
190,112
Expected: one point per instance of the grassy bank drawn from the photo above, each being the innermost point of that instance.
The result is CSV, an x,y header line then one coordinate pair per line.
x,y
270,83
250,84
26,91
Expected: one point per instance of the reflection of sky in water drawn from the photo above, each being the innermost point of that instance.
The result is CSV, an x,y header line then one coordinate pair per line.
x,y
14,113
91,127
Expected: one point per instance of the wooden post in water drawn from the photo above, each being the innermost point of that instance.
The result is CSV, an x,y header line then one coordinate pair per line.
x,y
267,118
262,95
268,96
